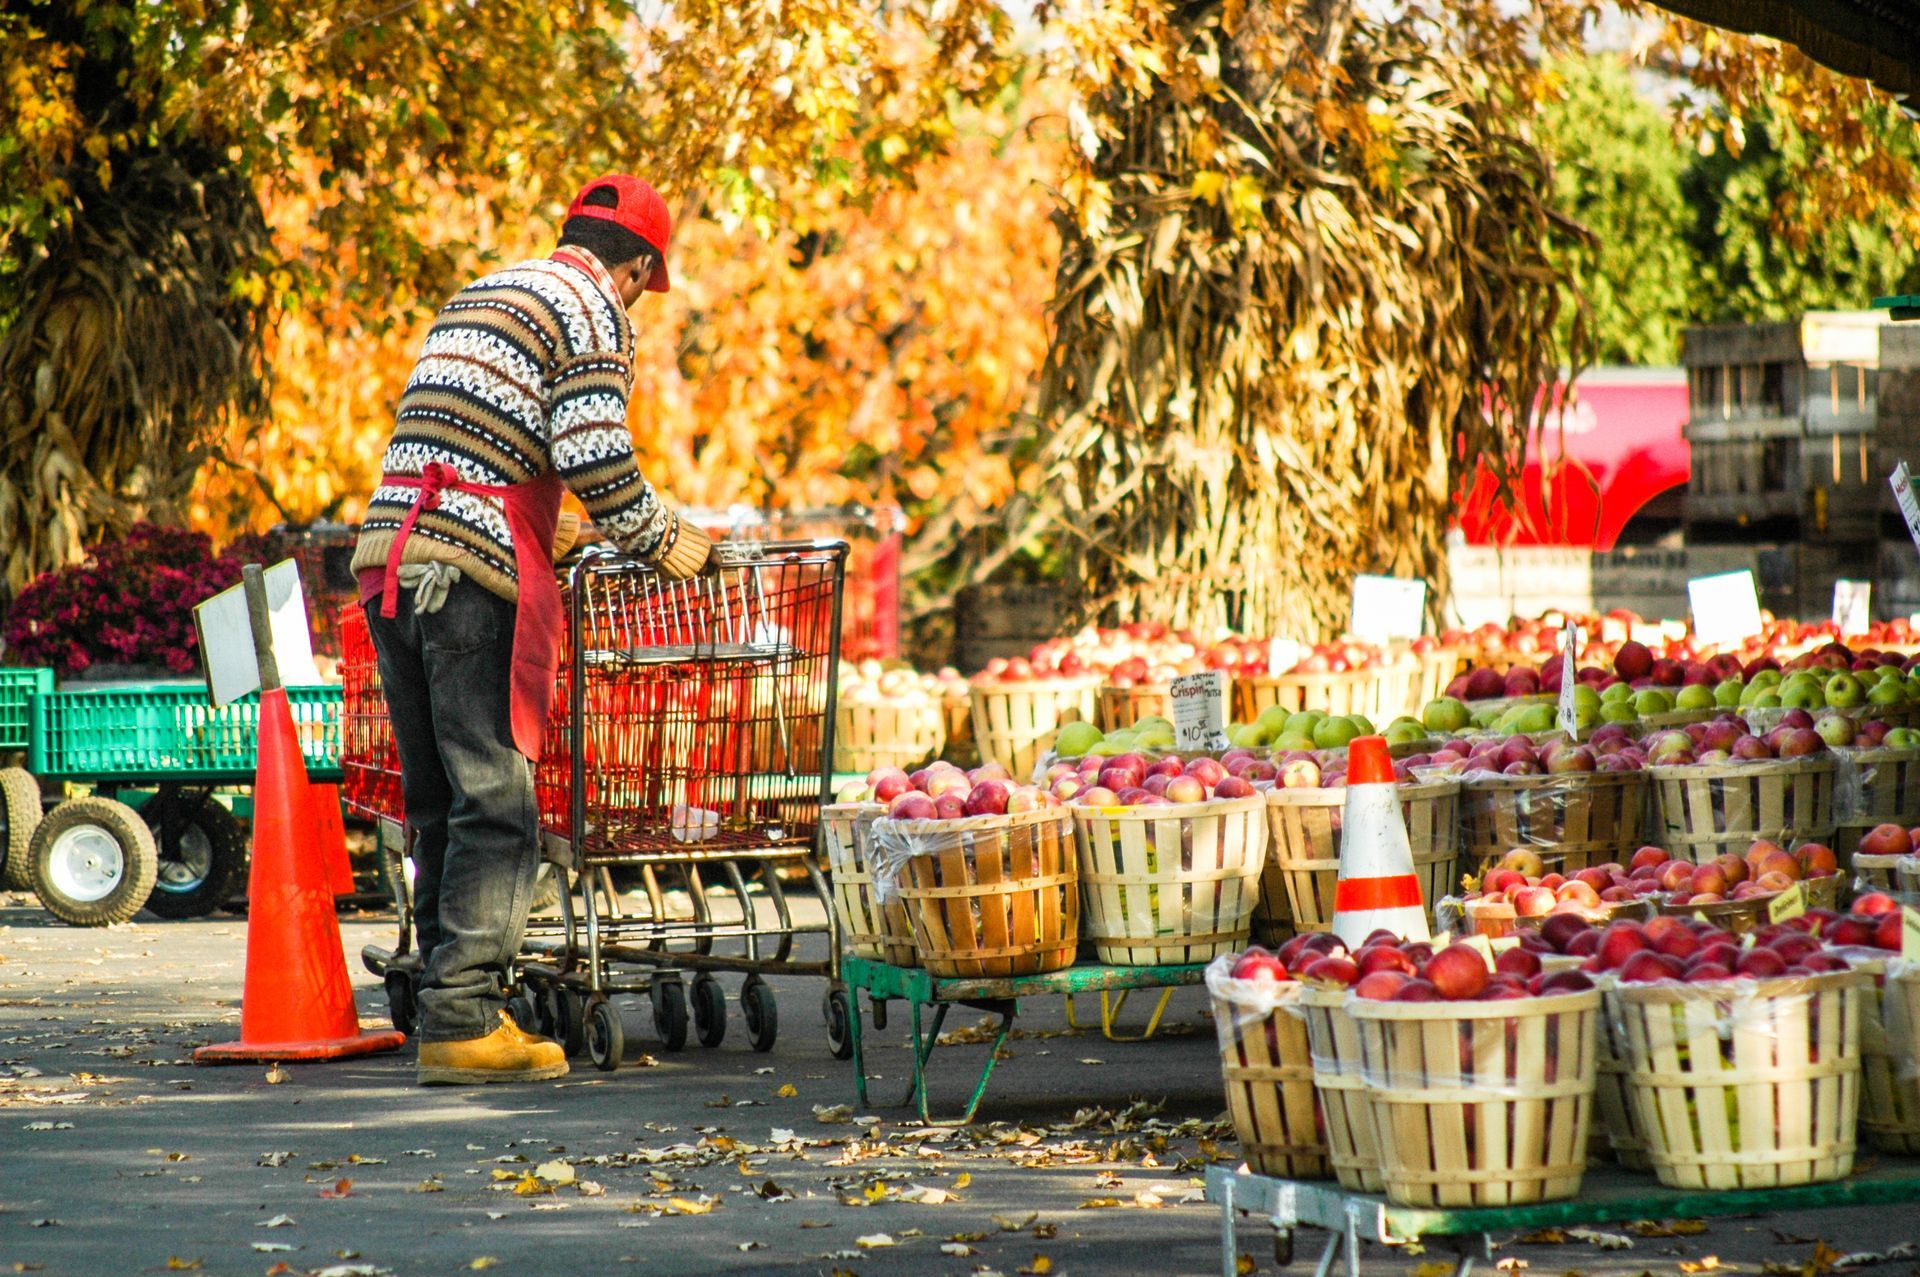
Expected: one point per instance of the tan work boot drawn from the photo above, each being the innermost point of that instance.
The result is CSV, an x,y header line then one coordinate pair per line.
x,y
508,1054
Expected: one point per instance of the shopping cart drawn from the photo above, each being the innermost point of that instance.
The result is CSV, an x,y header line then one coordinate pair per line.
x,y
691,746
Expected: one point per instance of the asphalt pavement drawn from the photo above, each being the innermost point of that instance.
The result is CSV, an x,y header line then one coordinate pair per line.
x,y
118,1155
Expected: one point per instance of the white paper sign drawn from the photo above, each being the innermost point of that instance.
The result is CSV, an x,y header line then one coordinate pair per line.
x,y
1903,495
1282,656
1200,710
1726,607
1852,602
226,638
1386,608
1571,641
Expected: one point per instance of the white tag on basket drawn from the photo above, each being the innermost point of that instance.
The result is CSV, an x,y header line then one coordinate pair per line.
x,y
1571,640
1199,710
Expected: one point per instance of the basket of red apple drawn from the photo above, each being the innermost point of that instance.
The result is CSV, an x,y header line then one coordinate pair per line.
x,y
1170,876
1305,810
1870,936
1479,1072
869,928
1879,856
1018,708
984,869
1265,1062
1738,892
1576,805
1336,678
1743,1065
1134,688
1876,782
1719,794
1519,893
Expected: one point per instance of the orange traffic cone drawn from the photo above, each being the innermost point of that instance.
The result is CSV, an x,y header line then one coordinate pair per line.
x,y
1377,886
297,1004
330,838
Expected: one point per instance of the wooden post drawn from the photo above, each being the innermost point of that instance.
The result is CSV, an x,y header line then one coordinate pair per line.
x,y
261,621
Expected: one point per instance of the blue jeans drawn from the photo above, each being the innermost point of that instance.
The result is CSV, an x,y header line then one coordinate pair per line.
x,y
469,796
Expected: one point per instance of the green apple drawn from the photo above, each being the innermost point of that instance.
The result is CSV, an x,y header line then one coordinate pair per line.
x,y
1107,746
1272,721
1616,692
1765,678
1765,698
1076,739
1333,733
1901,738
1146,721
1887,691
1303,720
1618,712
1446,715
1651,700
1843,691
1535,718
1364,723
1246,736
1290,741
1159,736
1802,692
1405,731
1485,717
1727,694
1694,696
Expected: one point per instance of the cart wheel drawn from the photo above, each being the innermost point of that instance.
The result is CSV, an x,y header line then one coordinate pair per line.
x,y
606,1040
533,1002
762,1016
565,1013
19,817
403,1007
669,999
709,1010
546,890
838,1010
202,859
1283,1247
94,862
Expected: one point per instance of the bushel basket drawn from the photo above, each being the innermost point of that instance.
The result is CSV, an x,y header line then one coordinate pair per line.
x,y
1333,1040
887,735
1873,787
1574,820
1015,723
1703,810
1303,868
1268,1073
1889,1071
868,928
1170,884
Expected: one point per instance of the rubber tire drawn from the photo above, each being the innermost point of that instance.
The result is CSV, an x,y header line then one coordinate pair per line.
x,y
837,1009
606,1039
546,890
403,1007
762,1014
567,1014
669,999
140,861
521,1008
19,817
226,872
709,1010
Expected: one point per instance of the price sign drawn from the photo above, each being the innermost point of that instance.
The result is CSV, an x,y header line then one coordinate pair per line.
x,y
226,636
1903,496
1910,933
1851,603
1387,608
1200,710
1571,641
1282,656
1726,607
1790,903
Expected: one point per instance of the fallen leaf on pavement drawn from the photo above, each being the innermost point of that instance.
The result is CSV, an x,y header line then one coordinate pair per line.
x,y
1009,1224
268,1248
341,1188
48,1126
1605,1241
278,1221
961,1180
276,1075
1667,1228
177,1264
832,1114
483,1261
275,1159
1432,1268
555,1172
751,1246
431,1184
873,1241
787,1091
1099,1203
682,1206
956,1248
1542,1237
1243,1266
531,1186
1040,1267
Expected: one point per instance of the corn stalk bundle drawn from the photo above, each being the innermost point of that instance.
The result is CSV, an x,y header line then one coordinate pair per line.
x,y
1321,294
128,351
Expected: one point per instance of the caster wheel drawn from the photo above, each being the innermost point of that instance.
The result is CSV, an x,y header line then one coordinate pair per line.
x,y
565,1012
709,1010
521,1006
1283,1248
837,1007
606,1040
402,1006
758,1010
670,1013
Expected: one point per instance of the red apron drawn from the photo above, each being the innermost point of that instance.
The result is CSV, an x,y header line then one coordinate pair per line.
x,y
533,513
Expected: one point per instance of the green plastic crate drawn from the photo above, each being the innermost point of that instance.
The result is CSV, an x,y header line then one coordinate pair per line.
x,y
15,686
171,733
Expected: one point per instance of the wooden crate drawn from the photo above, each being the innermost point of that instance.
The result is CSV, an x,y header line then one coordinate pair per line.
x,y
1015,723
1572,819
898,735
1438,668
1333,1040
1613,1100
1889,1083
1124,706
1874,873
1170,884
1740,480
1742,916
1268,1072
1873,787
1396,691
1745,1083
988,896
1304,863
1481,1103
1703,810
1347,693
868,928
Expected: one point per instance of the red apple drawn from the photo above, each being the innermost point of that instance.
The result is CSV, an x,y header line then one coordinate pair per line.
x,y
1258,963
1331,971
1457,972
1381,986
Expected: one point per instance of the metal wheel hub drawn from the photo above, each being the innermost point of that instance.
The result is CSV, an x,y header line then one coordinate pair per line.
x,y
186,870
86,864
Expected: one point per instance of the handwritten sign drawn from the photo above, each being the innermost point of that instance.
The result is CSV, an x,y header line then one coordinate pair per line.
x,y
1790,903
1387,608
1571,641
1903,496
1200,710
226,637
1726,607
1852,601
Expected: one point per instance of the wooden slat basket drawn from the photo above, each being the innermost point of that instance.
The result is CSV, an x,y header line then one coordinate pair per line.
x,y
1014,723
1303,867
888,735
1742,916
1745,1083
1124,706
957,711
1873,787
1170,884
1574,820
1268,1073
1346,693
1703,810
987,896
1889,1076
1875,873
1333,1039
1395,691
1613,1099
1481,1103
868,928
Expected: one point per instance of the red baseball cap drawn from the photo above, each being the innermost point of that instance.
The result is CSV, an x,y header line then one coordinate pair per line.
x,y
637,207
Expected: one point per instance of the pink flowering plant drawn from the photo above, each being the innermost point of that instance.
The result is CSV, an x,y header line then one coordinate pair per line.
x,y
129,603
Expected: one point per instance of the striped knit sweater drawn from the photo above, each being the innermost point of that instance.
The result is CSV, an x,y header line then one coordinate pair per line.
x,y
523,369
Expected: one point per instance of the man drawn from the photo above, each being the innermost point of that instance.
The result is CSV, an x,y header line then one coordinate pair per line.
x,y
520,391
